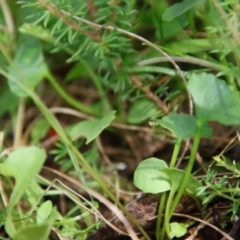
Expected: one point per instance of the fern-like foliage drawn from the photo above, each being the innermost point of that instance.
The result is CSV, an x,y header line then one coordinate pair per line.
x,y
91,30
78,25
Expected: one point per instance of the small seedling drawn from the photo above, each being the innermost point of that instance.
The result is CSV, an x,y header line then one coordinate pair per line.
x,y
215,102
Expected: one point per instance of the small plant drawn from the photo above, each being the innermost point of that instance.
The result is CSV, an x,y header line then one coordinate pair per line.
x,y
215,102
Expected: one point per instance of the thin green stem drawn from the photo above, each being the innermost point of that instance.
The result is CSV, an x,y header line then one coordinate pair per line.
x,y
192,23
160,214
223,191
229,190
82,179
230,77
163,197
167,212
1,142
189,167
97,81
67,97
163,232
170,209
162,201
176,150
186,59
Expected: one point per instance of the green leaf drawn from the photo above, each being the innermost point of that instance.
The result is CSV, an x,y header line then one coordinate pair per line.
x,y
39,130
176,176
173,27
23,164
34,231
91,128
34,193
8,102
177,9
207,131
149,179
141,110
44,211
3,213
71,233
183,125
177,230
214,100
153,69
28,66
78,70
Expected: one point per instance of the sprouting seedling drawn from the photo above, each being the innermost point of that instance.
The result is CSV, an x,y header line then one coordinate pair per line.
x,y
153,176
214,101
149,172
182,126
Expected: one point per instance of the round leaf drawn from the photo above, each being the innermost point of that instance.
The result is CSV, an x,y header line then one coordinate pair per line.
x,y
214,100
183,125
177,230
149,179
